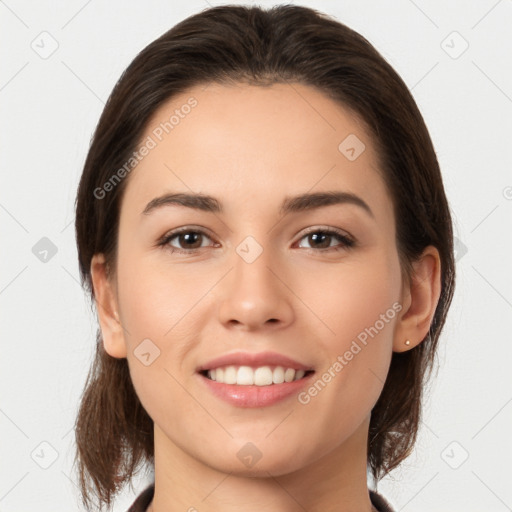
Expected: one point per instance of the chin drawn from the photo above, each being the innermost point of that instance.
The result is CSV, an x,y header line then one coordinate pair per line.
x,y
253,460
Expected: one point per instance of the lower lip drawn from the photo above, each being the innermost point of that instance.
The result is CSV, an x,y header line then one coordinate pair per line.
x,y
255,396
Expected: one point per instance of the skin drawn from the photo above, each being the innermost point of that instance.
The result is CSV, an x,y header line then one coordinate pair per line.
x,y
250,147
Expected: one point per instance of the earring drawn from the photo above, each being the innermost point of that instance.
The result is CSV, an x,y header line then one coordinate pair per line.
x,y
407,342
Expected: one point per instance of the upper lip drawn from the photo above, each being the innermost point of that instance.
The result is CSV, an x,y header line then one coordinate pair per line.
x,y
254,360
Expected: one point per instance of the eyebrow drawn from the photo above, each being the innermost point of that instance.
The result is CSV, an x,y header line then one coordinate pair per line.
x,y
302,202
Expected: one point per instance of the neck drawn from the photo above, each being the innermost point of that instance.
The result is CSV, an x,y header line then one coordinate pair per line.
x,y
334,481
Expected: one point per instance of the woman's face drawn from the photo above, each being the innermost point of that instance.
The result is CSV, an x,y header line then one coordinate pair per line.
x,y
252,277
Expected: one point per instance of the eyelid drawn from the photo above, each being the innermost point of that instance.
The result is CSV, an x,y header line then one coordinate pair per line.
x,y
184,229
330,229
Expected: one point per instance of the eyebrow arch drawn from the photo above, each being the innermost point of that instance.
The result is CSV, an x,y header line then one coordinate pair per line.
x,y
307,201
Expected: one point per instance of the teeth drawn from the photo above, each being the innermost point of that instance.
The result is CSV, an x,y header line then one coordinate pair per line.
x,y
247,376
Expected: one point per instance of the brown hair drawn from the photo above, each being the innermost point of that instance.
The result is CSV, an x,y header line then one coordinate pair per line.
x,y
237,44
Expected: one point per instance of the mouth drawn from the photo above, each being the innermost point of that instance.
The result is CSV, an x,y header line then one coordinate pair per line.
x,y
249,387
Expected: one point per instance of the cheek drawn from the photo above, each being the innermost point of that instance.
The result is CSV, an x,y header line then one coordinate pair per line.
x,y
161,321
162,318
359,308
347,300
157,300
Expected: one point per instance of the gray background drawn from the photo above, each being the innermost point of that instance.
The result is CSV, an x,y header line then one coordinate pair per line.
x,y
59,62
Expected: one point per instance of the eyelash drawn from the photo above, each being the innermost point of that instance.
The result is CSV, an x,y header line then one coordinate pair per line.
x,y
346,241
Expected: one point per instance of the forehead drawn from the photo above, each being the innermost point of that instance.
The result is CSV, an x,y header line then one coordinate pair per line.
x,y
243,142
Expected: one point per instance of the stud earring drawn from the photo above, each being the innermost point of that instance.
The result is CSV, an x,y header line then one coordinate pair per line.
x,y
407,342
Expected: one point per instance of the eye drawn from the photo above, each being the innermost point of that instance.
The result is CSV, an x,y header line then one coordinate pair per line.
x,y
188,240
321,239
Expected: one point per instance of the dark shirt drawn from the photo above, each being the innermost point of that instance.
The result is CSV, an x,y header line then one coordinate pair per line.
x,y
144,499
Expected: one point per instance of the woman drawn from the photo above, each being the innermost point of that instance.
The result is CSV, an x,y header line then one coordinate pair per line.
x,y
262,224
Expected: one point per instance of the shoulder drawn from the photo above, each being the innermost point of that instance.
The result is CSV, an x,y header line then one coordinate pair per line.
x,y
143,499
380,503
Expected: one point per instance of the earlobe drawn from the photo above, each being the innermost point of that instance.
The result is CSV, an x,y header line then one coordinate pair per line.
x,y
421,295
107,308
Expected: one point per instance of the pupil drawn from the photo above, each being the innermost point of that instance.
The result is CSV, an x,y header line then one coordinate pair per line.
x,y
190,237
315,237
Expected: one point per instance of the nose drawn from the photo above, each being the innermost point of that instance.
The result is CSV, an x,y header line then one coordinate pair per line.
x,y
254,295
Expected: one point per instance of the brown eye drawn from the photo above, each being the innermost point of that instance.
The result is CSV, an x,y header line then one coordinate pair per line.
x,y
321,239
189,240
184,241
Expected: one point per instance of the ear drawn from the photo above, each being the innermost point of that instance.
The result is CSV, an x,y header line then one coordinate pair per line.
x,y
419,300
106,305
